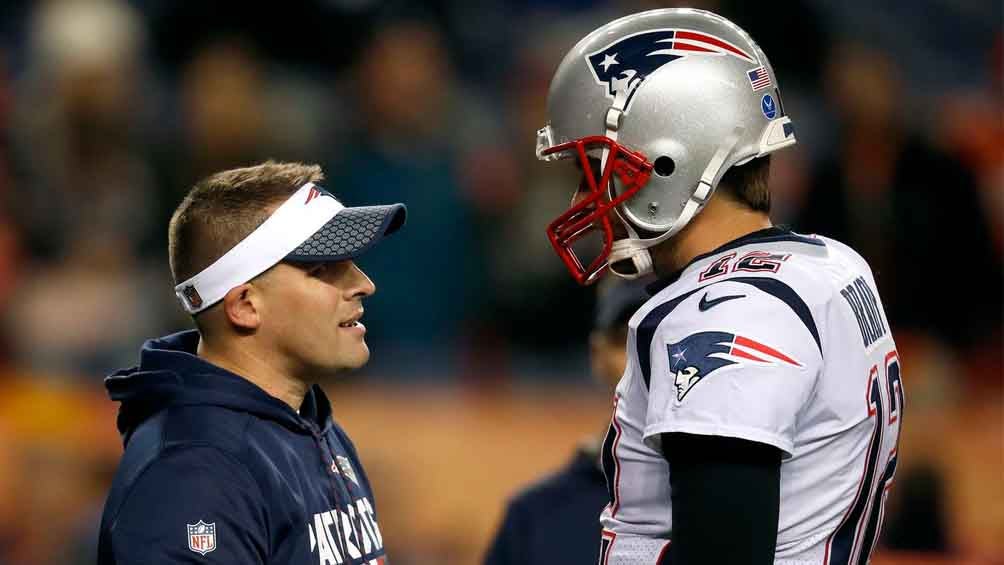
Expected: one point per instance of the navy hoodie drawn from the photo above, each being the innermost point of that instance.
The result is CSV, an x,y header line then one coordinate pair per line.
x,y
215,470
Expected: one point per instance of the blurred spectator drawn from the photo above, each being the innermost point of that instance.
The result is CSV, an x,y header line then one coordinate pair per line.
x,y
220,123
972,127
556,521
6,100
917,519
223,103
323,35
915,514
233,109
57,462
536,306
415,128
83,189
9,235
912,210
76,317
82,169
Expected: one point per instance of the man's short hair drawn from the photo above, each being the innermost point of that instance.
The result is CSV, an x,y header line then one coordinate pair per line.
x,y
749,184
224,208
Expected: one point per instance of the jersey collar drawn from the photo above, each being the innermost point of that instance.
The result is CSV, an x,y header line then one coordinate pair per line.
x,y
767,235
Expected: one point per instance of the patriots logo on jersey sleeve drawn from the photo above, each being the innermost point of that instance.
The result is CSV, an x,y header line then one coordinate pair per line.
x,y
624,64
697,356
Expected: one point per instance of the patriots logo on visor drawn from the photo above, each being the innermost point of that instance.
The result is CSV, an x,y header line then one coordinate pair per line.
x,y
192,296
623,65
698,355
316,191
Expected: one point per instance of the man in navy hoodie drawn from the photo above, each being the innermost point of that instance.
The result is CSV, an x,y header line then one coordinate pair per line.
x,y
231,453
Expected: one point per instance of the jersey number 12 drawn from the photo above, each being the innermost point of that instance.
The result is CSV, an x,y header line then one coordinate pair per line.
x,y
860,526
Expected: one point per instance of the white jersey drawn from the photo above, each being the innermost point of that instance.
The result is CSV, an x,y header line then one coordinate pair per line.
x,y
776,338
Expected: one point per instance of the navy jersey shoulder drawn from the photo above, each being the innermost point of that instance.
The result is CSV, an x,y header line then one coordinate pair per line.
x,y
217,469
555,521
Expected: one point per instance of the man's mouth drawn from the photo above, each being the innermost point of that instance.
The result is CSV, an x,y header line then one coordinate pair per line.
x,y
353,321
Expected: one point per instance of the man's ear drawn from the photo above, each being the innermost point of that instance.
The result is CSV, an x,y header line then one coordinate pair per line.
x,y
242,307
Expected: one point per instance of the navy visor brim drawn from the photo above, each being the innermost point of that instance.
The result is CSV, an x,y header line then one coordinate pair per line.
x,y
349,234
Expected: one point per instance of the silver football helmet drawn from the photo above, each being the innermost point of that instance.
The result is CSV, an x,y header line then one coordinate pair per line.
x,y
664,101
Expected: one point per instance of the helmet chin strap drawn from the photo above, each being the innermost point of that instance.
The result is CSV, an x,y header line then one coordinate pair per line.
x,y
615,115
637,249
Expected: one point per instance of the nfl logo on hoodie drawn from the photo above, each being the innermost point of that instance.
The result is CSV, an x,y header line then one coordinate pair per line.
x,y
202,537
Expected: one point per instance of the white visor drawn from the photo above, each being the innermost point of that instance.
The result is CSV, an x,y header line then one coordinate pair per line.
x,y
310,226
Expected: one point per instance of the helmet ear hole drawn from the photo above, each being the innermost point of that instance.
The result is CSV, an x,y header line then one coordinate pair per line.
x,y
664,166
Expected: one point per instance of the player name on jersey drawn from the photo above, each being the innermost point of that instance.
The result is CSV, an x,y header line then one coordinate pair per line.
x,y
866,309
346,535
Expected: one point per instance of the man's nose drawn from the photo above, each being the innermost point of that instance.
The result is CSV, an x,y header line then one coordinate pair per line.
x,y
363,286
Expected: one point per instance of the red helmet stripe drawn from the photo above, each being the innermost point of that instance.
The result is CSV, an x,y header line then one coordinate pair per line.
x,y
713,41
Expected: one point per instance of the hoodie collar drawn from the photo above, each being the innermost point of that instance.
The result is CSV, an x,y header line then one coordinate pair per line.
x,y
170,373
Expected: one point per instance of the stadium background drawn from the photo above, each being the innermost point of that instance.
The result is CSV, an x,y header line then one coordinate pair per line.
x,y
110,109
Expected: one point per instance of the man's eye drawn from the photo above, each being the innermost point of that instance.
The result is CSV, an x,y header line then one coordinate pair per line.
x,y
318,269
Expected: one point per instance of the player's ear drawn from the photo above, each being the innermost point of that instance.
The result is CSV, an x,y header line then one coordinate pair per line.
x,y
242,307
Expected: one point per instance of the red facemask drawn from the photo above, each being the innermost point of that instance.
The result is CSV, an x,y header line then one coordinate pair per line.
x,y
593,211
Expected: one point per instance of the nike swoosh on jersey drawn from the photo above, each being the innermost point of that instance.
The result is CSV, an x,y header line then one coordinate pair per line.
x,y
706,304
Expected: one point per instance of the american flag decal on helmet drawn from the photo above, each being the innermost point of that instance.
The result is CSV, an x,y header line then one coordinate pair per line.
x,y
759,78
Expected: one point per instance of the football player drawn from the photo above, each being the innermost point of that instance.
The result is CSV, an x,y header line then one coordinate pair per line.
x,y
758,417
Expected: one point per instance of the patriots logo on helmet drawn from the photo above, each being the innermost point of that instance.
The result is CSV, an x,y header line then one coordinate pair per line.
x,y
623,65
698,355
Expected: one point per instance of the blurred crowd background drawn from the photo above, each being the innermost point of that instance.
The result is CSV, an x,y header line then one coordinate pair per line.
x,y
111,109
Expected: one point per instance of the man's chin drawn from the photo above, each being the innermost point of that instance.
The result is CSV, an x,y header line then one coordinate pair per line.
x,y
346,361
357,359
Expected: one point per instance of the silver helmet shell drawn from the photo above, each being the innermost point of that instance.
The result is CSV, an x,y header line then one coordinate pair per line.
x,y
686,88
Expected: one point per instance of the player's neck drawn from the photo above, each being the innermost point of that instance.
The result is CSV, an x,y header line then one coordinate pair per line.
x,y
267,373
721,221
